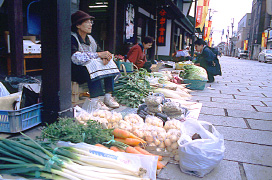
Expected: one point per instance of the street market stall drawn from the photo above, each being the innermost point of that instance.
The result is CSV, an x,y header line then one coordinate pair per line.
x,y
158,125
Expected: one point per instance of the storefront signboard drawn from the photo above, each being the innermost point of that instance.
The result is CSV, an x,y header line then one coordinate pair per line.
x,y
161,28
130,15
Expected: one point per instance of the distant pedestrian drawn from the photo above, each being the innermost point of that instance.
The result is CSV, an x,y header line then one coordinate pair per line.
x,y
207,59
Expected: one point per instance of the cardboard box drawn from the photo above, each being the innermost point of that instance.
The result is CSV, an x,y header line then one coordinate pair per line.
x,y
31,38
30,47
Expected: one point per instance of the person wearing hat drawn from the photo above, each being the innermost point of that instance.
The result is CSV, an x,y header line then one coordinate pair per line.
x,y
91,66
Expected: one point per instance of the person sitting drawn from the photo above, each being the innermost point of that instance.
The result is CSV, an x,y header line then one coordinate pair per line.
x,y
137,53
91,66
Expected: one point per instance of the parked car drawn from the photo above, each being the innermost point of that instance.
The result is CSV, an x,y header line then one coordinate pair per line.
x,y
242,54
265,55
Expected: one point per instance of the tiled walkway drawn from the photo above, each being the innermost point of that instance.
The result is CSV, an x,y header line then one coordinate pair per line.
x,y
239,104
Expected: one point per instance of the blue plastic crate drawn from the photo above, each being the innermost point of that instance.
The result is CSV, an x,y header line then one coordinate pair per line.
x,y
20,120
195,84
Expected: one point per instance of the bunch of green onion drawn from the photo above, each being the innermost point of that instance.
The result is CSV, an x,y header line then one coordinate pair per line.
x,y
29,158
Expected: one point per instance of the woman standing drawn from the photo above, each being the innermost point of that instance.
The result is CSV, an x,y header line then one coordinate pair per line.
x,y
91,66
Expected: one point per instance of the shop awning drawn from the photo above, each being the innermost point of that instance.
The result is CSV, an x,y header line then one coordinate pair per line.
x,y
179,16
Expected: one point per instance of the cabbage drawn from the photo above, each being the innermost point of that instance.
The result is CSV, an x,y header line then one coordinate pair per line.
x,y
193,72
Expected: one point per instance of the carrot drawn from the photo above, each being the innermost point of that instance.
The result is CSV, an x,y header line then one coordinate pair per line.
x,y
119,133
159,165
129,141
145,152
132,150
114,148
100,145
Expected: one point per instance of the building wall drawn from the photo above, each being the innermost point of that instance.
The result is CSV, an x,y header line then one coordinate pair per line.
x,y
243,30
165,50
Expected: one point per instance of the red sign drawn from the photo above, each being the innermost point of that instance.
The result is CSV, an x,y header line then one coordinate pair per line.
x,y
161,28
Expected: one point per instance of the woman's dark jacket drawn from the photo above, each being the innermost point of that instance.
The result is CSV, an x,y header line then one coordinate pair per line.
x,y
209,61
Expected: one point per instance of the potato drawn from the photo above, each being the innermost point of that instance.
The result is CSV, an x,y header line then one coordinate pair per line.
x,y
176,157
162,145
175,152
174,146
174,138
169,149
167,142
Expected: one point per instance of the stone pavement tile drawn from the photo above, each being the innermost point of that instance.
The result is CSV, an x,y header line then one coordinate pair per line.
x,y
263,108
205,93
256,172
201,98
246,135
224,96
245,107
4,135
249,114
32,132
251,94
267,94
248,153
250,88
226,170
212,111
268,103
260,124
260,98
223,120
237,101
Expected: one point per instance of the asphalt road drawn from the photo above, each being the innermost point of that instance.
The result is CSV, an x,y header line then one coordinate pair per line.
x,y
239,105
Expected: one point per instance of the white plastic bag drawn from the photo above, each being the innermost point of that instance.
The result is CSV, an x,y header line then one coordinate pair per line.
x,y
3,90
198,157
149,163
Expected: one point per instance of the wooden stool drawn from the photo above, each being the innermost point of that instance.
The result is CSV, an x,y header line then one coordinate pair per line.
x,y
78,91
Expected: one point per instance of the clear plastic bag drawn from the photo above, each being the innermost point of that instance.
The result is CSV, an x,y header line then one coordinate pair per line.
x,y
133,118
171,142
138,130
155,109
172,124
83,116
154,121
153,100
155,136
198,157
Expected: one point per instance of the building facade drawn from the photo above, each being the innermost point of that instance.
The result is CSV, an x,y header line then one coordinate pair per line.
x,y
260,21
243,33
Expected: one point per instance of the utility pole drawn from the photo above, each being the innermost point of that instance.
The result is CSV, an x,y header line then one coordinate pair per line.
x,y
231,42
210,18
228,41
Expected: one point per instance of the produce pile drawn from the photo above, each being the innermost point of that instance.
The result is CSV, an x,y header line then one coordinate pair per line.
x,y
37,159
155,130
194,72
130,90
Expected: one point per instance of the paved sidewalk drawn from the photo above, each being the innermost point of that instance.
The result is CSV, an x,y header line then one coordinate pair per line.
x,y
239,105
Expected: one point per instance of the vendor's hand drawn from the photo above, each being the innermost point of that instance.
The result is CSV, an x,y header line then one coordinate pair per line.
x,y
105,55
197,64
105,61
